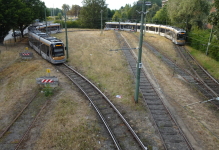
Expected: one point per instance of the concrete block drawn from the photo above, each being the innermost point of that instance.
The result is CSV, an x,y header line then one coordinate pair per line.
x,y
26,55
52,81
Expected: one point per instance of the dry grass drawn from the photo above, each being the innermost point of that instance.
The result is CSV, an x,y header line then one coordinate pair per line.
x,y
72,124
180,92
89,52
164,45
18,82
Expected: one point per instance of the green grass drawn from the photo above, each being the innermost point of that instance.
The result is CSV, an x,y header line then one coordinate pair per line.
x,y
211,65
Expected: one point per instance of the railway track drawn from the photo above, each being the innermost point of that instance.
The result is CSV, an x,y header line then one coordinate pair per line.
x,y
186,74
204,77
168,129
120,131
14,134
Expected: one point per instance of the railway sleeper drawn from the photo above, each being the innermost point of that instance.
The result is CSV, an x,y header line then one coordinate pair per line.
x,y
151,98
161,117
145,88
153,102
96,98
168,131
147,91
164,123
177,146
158,112
156,107
173,138
150,94
81,82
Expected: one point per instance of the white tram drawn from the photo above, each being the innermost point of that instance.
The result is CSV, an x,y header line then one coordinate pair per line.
x,y
177,35
50,48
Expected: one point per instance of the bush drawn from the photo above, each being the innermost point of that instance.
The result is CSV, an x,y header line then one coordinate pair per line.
x,y
48,90
70,24
198,39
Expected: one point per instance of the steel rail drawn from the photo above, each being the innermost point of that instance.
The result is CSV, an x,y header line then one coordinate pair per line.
x,y
7,128
99,113
212,91
170,60
148,107
31,125
170,114
111,104
201,66
201,81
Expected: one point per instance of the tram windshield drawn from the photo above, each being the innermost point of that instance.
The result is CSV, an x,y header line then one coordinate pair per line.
x,y
181,36
58,51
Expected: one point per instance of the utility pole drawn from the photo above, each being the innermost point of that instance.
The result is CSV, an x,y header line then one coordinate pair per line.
x,y
186,23
66,34
61,19
145,21
101,21
46,21
139,64
209,42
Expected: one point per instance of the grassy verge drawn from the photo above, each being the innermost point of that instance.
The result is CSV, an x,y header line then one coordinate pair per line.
x,y
89,53
211,65
72,125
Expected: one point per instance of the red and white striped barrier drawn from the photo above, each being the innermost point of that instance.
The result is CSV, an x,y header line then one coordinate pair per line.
x,y
51,80
25,54
47,81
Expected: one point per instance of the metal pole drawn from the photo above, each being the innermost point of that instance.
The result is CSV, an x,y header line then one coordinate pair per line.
x,y
145,20
186,23
209,42
101,21
139,55
46,22
66,34
61,19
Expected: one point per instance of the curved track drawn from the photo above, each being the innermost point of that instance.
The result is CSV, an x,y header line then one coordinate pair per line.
x,y
121,132
186,74
169,131
204,77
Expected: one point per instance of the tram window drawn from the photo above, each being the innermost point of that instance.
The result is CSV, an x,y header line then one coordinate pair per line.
x,y
180,36
58,52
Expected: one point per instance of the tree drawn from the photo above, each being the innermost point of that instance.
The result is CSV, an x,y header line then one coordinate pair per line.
x,y
75,10
214,17
90,15
161,16
60,15
117,16
28,12
19,14
8,17
67,7
152,11
195,11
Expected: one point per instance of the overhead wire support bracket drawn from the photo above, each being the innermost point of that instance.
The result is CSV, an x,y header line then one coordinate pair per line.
x,y
217,98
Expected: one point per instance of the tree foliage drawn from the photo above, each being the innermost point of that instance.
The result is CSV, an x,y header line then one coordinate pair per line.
x,y
214,18
55,10
196,11
90,15
19,14
161,16
151,12
122,14
75,10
